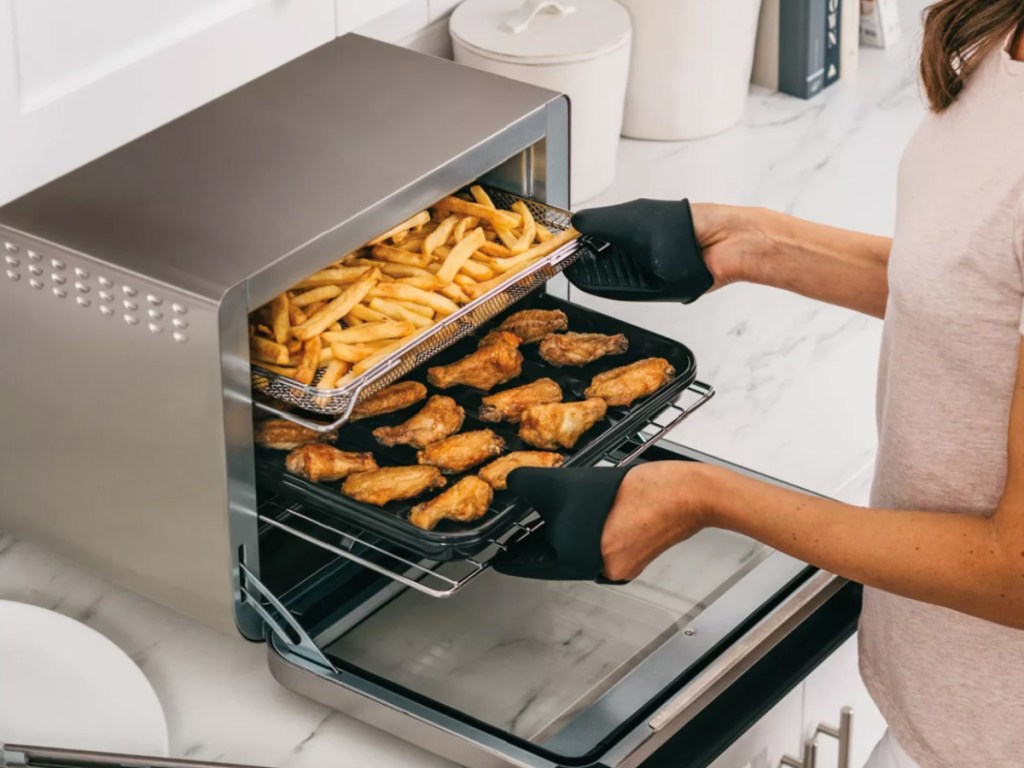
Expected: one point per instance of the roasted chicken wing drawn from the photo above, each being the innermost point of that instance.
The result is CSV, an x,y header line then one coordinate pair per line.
x,y
318,461
392,484
580,348
467,500
390,399
624,385
553,425
438,419
509,405
461,452
534,324
484,369
495,474
495,336
283,435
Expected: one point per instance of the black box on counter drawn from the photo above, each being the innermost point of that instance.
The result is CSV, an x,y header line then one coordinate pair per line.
x,y
802,27
833,41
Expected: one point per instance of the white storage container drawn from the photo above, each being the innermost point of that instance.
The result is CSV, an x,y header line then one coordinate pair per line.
x,y
690,72
578,47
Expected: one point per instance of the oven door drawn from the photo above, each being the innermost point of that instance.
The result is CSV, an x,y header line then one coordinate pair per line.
x,y
514,672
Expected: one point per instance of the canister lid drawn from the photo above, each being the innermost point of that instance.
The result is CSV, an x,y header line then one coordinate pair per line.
x,y
540,31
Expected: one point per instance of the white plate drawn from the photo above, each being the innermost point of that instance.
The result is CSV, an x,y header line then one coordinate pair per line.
x,y
63,684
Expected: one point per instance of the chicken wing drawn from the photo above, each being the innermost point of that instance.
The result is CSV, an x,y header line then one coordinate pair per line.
x,y
580,348
509,405
438,419
534,324
624,385
495,336
484,369
318,461
467,500
283,435
553,425
461,452
380,486
390,399
495,474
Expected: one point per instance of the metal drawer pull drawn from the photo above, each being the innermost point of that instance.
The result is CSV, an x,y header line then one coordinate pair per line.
x,y
810,757
842,734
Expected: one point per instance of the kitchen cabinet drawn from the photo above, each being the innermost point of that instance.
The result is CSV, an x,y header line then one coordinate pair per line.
x,y
79,79
769,738
834,685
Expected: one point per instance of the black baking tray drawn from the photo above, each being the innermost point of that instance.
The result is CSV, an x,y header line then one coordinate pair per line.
x,y
451,540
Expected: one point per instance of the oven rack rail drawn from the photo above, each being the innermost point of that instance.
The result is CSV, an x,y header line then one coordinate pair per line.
x,y
442,580
339,403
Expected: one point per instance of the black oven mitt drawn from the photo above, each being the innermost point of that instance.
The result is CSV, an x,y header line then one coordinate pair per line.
x,y
574,503
651,253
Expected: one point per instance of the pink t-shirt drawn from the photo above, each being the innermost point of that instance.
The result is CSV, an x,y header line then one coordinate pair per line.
x,y
951,686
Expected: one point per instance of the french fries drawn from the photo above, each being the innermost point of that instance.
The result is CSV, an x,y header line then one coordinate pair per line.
x,y
343,320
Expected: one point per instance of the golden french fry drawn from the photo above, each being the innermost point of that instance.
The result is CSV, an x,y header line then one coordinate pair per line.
x,y
398,312
388,329
325,353
296,316
543,233
284,370
459,255
268,351
365,314
398,256
279,318
439,236
351,320
507,236
529,228
420,218
474,269
414,244
368,363
495,217
334,371
294,346
439,304
538,251
310,361
466,223
480,195
455,293
312,309
400,237
497,250
422,281
332,276
353,353
323,293
339,307
464,281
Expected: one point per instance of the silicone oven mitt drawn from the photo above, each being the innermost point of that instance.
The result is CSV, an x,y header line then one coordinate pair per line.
x,y
651,253
574,503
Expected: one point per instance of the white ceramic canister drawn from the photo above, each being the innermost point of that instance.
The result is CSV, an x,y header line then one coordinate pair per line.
x,y
577,47
690,71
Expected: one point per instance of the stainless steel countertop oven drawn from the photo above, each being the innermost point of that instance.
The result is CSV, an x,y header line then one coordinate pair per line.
x,y
128,425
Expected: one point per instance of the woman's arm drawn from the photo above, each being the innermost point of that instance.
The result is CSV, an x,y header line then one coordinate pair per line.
x,y
757,245
971,564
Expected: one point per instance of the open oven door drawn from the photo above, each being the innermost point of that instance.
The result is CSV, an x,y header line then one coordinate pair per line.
x,y
514,672
24,756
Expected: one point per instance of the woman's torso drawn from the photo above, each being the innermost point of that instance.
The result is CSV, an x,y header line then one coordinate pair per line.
x,y
951,686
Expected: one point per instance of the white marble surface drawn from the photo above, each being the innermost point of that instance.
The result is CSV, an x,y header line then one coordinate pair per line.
x,y
795,383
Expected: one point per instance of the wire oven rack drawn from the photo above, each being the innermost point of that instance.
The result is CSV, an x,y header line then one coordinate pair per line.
x,y
445,579
340,402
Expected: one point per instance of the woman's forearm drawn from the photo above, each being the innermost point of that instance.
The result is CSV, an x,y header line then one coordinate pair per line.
x,y
838,266
968,563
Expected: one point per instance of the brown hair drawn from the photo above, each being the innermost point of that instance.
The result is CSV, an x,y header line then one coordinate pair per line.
x,y
957,34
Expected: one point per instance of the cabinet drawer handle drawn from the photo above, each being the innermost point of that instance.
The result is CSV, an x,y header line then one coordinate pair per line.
x,y
842,734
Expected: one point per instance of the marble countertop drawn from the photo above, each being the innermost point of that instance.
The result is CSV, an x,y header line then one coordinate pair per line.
x,y
795,383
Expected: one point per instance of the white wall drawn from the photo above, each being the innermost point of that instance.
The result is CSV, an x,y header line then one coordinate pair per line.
x,y
78,79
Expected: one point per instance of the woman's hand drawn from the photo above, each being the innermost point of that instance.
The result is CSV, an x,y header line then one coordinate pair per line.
x,y
734,239
657,505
